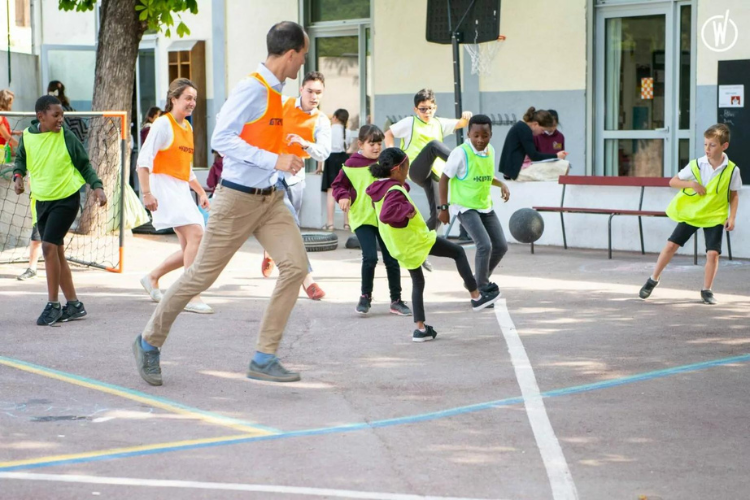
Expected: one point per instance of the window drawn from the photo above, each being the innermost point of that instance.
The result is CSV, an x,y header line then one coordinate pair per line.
x,y
336,10
23,13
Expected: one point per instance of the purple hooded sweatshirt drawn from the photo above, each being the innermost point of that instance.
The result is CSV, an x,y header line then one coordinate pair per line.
x,y
396,208
342,187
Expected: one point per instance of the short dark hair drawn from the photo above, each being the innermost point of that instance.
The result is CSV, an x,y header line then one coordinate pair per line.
x,y
370,133
424,95
283,37
45,102
479,120
313,76
388,159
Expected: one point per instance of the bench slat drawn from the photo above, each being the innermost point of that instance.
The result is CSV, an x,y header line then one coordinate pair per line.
x,y
600,180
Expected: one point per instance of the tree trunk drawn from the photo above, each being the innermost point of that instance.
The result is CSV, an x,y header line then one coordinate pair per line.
x,y
120,34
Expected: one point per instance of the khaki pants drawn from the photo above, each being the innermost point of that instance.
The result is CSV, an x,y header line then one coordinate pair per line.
x,y
235,216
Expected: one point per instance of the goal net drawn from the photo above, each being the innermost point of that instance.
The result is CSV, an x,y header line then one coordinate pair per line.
x,y
95,239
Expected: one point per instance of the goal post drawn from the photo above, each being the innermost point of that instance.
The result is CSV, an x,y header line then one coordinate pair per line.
x,y
97,237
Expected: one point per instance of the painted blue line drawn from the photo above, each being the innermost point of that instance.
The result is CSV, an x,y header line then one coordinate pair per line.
x,y
144,395
653,375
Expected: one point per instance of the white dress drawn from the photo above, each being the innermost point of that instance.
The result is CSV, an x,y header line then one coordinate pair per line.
x,y
176,205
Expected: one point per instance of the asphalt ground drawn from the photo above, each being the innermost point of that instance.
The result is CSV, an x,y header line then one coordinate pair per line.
x,y
571,387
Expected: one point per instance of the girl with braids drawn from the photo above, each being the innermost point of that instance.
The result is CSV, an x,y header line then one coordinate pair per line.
x,y
166,176
408,239
340,141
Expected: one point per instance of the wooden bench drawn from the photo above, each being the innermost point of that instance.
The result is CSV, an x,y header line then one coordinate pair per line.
x,y
642,182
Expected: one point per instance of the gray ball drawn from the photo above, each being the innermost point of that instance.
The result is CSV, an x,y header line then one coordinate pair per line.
x,y
526,225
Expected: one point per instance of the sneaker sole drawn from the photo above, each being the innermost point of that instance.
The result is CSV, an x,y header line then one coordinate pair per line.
x,y
487,304
360,312
137,352
398,313
424,339
74,317
269,378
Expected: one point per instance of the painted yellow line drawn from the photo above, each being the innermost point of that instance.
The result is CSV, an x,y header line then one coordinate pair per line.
x,y
194,413
124,451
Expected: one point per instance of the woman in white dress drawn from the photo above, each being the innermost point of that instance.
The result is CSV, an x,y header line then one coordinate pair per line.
x,y
166,176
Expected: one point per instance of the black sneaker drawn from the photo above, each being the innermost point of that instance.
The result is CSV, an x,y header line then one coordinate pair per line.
x,y
429,333
272,371
486,298
147,362
73,311
364,304
489,287
427,266
399,307
648,288
27,274
50,315
707,296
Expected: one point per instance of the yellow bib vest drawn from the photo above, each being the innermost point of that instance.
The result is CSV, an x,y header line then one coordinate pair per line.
x,y
409,245
361,212
49,164
473,189
709,210
421,134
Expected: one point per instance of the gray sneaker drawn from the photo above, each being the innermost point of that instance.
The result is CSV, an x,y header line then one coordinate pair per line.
x,y
27,274
648,288
707,296
147,362
272,371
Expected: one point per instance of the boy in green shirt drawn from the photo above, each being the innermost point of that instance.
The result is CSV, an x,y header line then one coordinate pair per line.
x,y
59,165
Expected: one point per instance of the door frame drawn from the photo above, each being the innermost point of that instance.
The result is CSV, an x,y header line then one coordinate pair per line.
x,y
666,134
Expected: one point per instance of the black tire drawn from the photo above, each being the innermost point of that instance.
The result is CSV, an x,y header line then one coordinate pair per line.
x,y
320,242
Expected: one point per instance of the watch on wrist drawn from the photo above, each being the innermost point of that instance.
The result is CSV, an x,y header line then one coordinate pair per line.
x,y
443,207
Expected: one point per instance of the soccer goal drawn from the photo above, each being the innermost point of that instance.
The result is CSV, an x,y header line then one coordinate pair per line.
x,y
95,239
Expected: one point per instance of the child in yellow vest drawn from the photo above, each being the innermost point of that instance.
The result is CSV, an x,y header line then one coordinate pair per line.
x,y
349,191
58,162
708,199
410,241
422,139
465,192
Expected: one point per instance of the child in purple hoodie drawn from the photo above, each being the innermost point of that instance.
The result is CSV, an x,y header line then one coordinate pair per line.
x,y
408,239
349,192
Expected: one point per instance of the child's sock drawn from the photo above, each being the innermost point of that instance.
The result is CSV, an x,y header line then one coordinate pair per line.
x,y
654,279
147,347
261,358
56,305
74,303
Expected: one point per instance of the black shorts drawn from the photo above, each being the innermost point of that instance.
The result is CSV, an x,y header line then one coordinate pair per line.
x,y
684,231
54,218
35,234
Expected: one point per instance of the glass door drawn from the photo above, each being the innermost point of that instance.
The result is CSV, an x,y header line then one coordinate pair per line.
x,y
635,91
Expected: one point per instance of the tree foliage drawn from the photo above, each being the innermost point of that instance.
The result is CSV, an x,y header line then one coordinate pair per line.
x,y
157,14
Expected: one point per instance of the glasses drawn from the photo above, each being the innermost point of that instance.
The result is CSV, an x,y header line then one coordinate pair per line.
x,y
425,110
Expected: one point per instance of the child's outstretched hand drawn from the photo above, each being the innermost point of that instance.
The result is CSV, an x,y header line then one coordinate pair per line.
x,y
100,197
443,216
504,192
466,115
344,204
18,185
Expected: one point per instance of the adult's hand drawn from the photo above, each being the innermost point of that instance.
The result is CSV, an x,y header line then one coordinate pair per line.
x,y
150,201
203,202
289,163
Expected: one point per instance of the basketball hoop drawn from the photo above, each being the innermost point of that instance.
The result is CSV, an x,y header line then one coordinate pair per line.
x,y
482,55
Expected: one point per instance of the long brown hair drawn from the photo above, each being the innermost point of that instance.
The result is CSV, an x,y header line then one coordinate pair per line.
x,y
176,88
542,117
5,97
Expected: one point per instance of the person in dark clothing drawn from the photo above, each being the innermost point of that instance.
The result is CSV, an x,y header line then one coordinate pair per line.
x,y
520,143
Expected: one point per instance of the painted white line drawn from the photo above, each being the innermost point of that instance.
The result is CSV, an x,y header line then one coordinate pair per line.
x,y
560,479
161,483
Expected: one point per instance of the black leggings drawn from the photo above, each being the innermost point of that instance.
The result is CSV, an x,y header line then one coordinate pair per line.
x,y
420,171
369,240
441,248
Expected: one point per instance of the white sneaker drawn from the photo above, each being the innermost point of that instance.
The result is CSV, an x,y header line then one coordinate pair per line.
x,y
199,307
154,293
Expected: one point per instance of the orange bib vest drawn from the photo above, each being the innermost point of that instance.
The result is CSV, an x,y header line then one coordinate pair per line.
x,y
267,132
175,159
300,123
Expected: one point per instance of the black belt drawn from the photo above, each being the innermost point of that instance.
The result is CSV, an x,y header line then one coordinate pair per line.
x,y
248,190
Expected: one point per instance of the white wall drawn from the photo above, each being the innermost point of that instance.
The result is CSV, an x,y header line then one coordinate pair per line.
x,y
708,60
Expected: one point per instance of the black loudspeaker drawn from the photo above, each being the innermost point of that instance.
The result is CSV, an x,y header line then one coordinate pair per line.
x,y
480,24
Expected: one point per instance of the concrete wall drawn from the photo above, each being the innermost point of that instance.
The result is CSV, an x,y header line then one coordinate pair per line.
x,y
24,80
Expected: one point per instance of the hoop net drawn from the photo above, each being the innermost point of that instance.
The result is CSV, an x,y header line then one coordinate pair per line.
x,y
482,55
95,238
